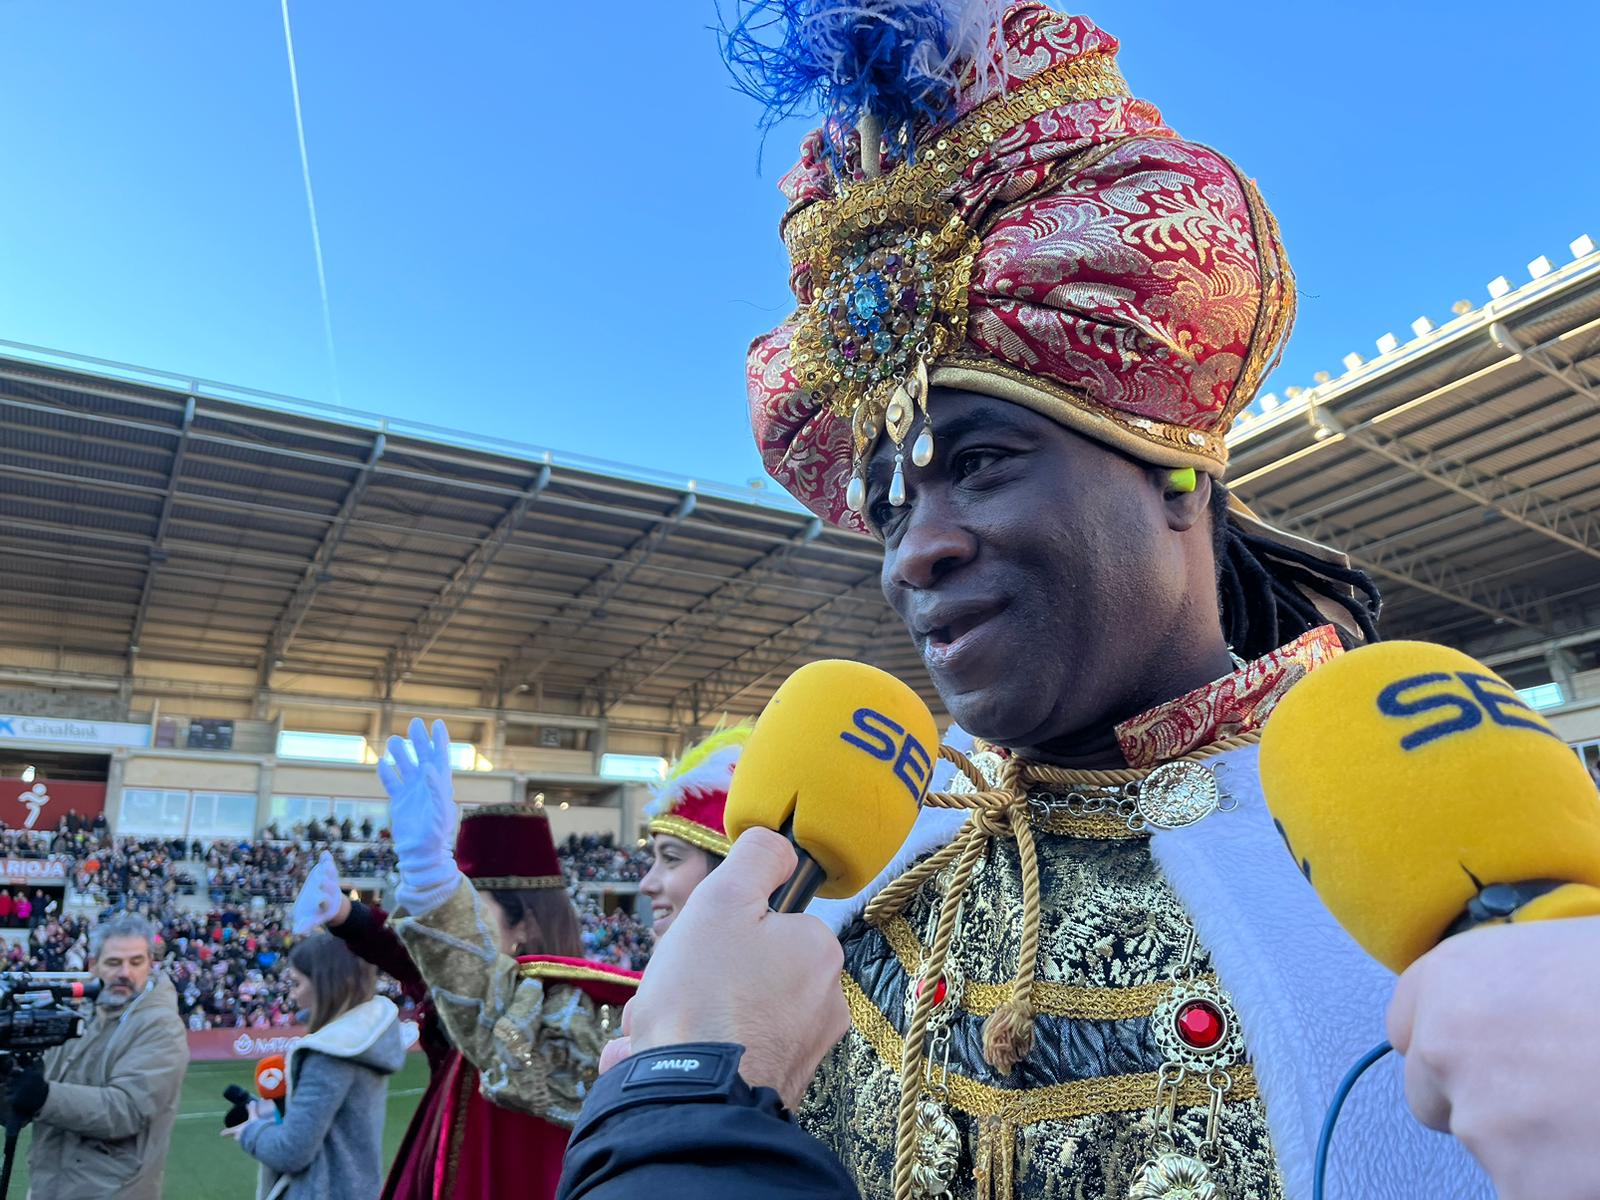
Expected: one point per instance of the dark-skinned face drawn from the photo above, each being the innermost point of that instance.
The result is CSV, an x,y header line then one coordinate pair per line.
x,y
1047,580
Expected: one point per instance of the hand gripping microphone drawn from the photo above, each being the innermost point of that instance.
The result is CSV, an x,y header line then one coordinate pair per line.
x,y
272,1080
838,763
239,1113
1421,797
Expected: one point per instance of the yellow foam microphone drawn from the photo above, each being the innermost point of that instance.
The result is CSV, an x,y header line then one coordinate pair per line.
x,y
839,763
1421,796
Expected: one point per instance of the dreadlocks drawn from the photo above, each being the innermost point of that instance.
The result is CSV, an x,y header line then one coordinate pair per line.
x,y
1266,589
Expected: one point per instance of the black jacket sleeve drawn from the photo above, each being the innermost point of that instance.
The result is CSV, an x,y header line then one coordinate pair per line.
x,y
678,1123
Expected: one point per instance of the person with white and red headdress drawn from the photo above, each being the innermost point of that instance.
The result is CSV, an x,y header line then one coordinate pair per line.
x,y
685,827
514,1017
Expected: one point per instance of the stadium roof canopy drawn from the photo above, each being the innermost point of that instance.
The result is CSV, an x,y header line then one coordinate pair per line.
x,y
152,518
176,521
1459,467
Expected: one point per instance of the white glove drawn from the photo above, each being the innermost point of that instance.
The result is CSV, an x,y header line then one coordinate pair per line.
x,y
319,900
422,816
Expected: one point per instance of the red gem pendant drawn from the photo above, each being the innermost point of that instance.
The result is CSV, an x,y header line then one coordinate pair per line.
x,y
1201,1024
939,992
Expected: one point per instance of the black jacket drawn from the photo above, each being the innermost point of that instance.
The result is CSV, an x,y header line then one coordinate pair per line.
x,y
679,1124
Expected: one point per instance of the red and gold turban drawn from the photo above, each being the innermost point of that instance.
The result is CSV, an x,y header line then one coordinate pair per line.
x,y
1055,245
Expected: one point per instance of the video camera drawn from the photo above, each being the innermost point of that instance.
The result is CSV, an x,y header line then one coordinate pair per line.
x,y
36,1014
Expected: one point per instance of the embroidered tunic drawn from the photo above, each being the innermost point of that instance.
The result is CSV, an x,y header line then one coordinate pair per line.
x,y
1077,1112
529,1034
1076,1118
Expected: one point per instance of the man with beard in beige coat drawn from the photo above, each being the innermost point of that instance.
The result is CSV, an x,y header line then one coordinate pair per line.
x,y
104,1104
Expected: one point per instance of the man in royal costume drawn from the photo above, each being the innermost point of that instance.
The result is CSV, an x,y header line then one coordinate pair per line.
x,y
1028,312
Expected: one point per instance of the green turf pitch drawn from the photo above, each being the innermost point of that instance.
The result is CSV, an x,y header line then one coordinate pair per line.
x,y
204,1166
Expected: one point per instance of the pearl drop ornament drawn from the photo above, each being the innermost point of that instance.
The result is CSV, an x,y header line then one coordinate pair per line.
x,y
897,485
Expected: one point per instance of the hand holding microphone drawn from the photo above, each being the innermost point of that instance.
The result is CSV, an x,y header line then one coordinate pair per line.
x,y
826,790
732,970
271,1087
838,764
272,1081
1422,798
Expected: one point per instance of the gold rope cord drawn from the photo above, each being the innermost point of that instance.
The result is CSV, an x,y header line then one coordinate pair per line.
x,y
1029,1106
972,843
1049,998
996,811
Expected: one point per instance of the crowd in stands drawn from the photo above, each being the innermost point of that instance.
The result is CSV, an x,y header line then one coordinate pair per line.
x,y
222,907
591,858
616,937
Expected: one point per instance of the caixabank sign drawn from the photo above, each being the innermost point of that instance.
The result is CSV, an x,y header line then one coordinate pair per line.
x,y
17,729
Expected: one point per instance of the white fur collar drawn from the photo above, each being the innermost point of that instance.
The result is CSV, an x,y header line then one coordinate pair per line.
x,y
352,1033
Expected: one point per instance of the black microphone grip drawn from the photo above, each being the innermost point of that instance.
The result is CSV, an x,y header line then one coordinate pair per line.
x,y
240,1100
802,886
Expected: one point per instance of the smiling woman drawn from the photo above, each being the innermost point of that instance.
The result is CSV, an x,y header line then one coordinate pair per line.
x,y
686,822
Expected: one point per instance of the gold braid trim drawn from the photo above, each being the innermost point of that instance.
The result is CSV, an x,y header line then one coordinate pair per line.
x,y
1029,1106
504,810
972,844
1098,827
946,153
515,883
688,831
1050,999
572,973
1008,1033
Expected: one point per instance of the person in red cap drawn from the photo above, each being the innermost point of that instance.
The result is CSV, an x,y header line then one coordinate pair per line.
x,y
471,1128
686,829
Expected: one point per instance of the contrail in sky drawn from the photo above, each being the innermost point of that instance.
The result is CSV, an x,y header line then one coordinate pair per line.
x,y
311,205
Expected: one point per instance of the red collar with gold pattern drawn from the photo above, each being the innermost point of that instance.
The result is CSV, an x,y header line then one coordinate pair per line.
x,y
1235,704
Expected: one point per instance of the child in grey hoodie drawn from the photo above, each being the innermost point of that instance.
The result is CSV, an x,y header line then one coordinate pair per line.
x,y
329,1141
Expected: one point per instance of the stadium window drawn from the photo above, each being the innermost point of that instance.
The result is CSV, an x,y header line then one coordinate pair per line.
x,y
230,815
322,747
289,811
464,757
1546,695
152,812
633,768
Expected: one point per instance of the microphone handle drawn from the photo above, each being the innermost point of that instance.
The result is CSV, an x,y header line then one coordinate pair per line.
x,y
808,876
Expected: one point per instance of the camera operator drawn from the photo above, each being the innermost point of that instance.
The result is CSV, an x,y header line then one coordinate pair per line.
x,y
104,1104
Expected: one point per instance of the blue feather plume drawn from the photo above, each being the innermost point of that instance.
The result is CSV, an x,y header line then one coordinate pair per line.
x,y
900,60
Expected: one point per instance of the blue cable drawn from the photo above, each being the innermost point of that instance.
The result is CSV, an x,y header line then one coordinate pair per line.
x,y
1339,1097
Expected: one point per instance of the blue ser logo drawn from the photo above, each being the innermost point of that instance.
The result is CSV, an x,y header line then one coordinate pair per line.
x,y
1468,698
888,741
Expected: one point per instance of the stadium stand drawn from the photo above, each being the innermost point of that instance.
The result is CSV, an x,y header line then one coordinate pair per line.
x,y
222,908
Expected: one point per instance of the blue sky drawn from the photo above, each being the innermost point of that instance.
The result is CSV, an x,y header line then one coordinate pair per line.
x,y
545,220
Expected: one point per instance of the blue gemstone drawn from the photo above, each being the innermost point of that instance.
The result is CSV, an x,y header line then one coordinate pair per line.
x,y
883,343
867,300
